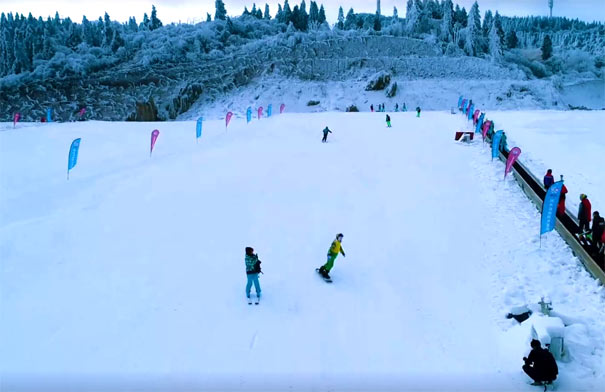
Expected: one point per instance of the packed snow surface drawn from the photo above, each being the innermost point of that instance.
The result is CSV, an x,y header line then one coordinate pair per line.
x,y
131,274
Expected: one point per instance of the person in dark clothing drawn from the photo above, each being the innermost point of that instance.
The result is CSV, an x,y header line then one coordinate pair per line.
x,y
396,107
548,179
584,214
540,365
372,108
598,230
418,111
325,138
388,121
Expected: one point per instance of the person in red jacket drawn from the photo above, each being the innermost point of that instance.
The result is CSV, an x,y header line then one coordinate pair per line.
x,y
561,205
584,214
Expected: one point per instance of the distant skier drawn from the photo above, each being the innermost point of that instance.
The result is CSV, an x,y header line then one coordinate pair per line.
x,y
335,248
417,111
252,271
396,107
404,108
372,108
548,179
388,121
584,213
540,365
325,138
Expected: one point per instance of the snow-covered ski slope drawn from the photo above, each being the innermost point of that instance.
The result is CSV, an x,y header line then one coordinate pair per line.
x,y
132,272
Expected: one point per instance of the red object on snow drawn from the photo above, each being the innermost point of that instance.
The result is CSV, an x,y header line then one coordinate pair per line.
x,y
459,135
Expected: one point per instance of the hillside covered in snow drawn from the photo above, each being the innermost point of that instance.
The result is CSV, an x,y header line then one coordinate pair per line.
x,y
151,71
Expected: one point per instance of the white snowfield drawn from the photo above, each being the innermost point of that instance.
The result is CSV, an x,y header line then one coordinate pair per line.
x,y
131,274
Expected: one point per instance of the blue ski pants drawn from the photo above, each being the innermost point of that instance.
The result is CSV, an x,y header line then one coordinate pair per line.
x,y
252,278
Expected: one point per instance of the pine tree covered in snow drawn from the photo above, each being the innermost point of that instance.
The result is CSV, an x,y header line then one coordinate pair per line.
x,y
546,47
340,24
447,24
495,42
220,11
472,43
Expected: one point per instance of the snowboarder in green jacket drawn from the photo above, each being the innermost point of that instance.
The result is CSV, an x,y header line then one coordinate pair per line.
x,y
335,248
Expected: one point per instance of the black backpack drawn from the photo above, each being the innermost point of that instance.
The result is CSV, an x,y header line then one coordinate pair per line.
x,y
256,269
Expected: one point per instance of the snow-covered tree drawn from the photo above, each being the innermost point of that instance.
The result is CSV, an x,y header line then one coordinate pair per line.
x,y
395,15
377,24
447,24
313,12
495,44
488,19
322,15
208,17
412,19
340,24
511,39
287,12
499,29
472,43
267,15
220,11
303,17
155,22
546,47
279,16
350,20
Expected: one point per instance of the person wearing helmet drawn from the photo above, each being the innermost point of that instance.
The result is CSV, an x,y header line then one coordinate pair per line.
x,y
584,214
335,248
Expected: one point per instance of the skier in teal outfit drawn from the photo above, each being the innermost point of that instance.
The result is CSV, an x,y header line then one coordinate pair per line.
x,y
252,271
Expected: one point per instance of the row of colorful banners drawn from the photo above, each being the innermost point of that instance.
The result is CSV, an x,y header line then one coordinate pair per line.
x,y
481,124
74,149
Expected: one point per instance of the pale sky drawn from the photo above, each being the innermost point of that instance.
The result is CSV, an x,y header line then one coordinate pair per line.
x,y
195,10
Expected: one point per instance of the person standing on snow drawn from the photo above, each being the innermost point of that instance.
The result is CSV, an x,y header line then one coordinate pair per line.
x,y
404,108
372,108
396,107
561,205
540,365
584,213
417,111
335,248
325,138
598,230
548,179
252,271
388,121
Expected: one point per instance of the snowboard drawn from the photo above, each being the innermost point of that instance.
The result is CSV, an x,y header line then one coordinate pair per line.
x,y
327,280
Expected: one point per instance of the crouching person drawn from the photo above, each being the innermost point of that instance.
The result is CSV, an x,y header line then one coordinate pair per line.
x,y
540,365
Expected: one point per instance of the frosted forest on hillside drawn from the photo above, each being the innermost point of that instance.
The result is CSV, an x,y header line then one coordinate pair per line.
x,y
97,62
